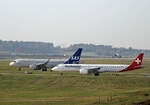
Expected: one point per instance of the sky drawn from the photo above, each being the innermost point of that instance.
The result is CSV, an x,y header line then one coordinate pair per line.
x,y
120,23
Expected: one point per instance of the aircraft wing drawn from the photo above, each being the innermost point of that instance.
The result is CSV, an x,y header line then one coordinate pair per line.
x,y
42,65
92,69
38,66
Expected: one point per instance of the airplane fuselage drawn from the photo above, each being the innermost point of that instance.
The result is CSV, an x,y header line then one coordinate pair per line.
x,y
27,62
102,67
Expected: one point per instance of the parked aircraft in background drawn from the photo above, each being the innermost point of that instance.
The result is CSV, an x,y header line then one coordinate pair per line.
x,y
99,68
116,55
38,64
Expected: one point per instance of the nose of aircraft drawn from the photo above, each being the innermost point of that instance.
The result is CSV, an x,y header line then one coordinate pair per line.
x,y
54,68
11,63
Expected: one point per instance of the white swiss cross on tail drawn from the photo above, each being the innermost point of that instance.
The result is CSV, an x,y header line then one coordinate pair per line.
x,y
136,64
138,61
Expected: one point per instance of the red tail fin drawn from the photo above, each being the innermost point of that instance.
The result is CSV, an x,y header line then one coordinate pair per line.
x,y
136,64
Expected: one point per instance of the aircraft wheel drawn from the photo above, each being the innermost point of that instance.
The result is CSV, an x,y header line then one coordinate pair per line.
x,y
44,69
19,69
96,74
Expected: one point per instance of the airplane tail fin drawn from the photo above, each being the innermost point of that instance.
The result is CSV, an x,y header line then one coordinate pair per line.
x,y
75,58
136,64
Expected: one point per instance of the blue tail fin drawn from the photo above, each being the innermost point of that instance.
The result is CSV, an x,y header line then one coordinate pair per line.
x,y
75,58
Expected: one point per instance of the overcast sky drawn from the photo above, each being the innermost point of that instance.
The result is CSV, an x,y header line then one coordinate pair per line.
x,y
121,23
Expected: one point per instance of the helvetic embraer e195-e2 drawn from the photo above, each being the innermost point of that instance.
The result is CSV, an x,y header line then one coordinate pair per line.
x,y
38,64
99,68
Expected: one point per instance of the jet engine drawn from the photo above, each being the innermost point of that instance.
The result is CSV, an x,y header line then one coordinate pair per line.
x,y
84,71
34,67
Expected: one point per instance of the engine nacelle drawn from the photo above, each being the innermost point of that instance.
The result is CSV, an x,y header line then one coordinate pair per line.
x,y
84,71
34,67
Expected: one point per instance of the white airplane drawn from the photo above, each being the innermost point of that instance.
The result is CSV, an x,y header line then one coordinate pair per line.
x,y
38,64
99,68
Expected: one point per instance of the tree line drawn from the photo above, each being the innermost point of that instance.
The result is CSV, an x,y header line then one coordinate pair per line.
x,y
43,48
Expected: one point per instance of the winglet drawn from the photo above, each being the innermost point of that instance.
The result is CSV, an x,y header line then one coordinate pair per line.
x,y
75,58
136,64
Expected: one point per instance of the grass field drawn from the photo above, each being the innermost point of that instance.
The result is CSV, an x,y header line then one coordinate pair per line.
x,y
50,88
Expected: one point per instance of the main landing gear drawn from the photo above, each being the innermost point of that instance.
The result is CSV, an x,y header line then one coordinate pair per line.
x,y
96,73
